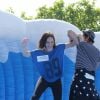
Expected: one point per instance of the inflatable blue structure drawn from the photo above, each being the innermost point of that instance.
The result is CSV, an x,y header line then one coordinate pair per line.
x,y
18,74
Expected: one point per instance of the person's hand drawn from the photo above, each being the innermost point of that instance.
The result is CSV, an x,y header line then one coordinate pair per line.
x,y
72,35
25,50
25,41
72,38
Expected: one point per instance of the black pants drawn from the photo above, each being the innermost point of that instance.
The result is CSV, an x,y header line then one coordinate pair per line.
x,y
42,85
83,87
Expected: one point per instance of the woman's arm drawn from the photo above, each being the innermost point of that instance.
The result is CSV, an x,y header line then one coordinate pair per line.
x,y
74,39
25,49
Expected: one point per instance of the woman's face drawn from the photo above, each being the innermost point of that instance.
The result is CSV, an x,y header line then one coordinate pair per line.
x,y
49,44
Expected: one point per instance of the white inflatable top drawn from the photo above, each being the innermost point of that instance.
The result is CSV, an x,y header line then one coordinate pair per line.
x,y
14,29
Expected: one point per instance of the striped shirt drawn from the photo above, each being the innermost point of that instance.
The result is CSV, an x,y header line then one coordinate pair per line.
x,y
88,56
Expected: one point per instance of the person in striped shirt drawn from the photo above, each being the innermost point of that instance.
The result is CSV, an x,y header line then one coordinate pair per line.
x,y
87,61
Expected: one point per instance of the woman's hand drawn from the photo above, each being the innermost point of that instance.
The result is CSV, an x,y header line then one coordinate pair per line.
x,y
25,50
25,42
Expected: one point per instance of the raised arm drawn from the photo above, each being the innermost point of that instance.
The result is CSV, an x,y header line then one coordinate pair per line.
x,y
25,49
74,39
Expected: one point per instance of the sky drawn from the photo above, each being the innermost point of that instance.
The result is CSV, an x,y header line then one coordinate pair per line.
x,y
30,6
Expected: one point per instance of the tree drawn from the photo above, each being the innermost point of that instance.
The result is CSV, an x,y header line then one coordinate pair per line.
x,y
25,17
83,14
52,12
10,10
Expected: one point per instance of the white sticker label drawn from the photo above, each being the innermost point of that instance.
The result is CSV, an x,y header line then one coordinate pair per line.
x,y
42,58
88,76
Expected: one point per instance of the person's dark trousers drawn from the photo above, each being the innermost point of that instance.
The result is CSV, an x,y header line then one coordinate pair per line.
x,y
42,85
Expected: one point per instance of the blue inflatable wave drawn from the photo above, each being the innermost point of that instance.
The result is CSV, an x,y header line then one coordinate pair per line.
x,y
18,77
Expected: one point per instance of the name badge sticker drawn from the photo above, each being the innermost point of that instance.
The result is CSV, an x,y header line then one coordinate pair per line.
x,y
42,58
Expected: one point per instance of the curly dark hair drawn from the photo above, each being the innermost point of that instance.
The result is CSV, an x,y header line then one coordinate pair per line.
x,y
43,40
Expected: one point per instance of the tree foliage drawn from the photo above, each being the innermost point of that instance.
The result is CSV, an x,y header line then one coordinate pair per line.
x,y
25,17
10,10
83,14
56,11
